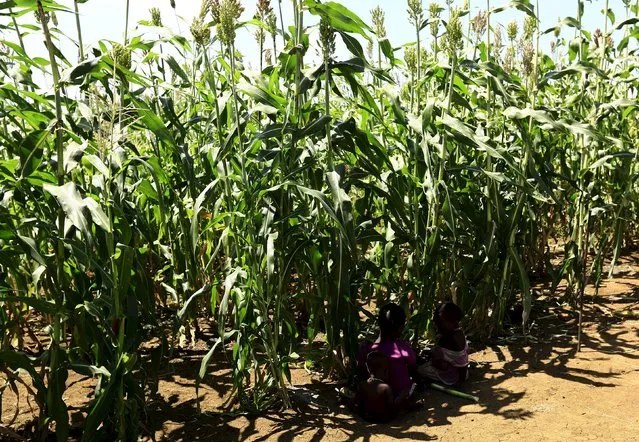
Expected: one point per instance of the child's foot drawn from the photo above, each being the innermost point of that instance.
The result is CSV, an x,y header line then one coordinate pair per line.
x,y
416,405
346,393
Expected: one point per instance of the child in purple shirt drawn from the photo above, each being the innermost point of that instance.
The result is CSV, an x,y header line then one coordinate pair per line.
x,y
401,357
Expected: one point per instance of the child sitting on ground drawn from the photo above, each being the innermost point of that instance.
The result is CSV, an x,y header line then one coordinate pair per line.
x,y
448,362
375,399
401,357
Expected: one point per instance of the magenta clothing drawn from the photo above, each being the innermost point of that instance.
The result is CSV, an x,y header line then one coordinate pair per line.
x,y
401,357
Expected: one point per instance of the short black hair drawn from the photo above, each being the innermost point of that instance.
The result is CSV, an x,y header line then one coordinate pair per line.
x,y
450,311
391,319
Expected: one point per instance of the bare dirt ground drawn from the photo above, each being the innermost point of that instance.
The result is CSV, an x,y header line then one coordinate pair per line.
x,y
531,389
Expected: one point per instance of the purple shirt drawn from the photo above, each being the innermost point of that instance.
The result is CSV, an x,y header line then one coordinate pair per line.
x,y
401,357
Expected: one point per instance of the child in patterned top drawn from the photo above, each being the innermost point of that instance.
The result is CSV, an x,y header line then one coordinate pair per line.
x,y
448,362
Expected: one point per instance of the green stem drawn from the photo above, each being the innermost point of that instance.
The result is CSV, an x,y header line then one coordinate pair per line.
x,y
419,62
236,108
282,24
261,54
453,392
379,64
54,368
126,23
227,189
17,29
327,110
79,28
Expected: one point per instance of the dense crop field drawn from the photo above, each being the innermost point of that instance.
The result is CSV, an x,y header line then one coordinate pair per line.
x,y
160,181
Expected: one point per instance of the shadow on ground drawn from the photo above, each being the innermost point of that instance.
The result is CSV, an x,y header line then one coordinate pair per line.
x,y
549,351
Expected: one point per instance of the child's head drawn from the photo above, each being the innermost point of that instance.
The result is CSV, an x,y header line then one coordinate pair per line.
x,y
391,321
448,316
378,365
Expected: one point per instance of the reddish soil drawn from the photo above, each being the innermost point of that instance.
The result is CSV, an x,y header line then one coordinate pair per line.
x,y
530,389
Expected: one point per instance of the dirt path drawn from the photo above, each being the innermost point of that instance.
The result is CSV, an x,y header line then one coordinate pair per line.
x,y
542,390
533,390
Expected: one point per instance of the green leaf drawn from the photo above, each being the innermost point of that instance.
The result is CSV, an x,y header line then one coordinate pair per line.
x,y
39,305
76,74
199,203
73,206
104,404
387,50
182,312
611,15
628,22
339,17
353,45
203,367
262,96
89,370
152,122
125,267
32,249
526,294
177,69
568,21
606,159
544,118
522,5
19,361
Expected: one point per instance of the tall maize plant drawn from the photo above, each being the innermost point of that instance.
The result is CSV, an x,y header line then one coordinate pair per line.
x,y
161,177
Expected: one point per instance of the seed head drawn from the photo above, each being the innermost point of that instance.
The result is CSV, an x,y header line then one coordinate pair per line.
x,y
527,57
271,23
479,23
263,9
214,7
172,2
404,93
434,11
379,25
509,60
410,57
327,38
204,8
200,31
415,12
230,11
553,46
598,39
121,55
156,17
497,42
454,31
596,36
633,129
260,36
268,56
369,49
512,31
530,24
